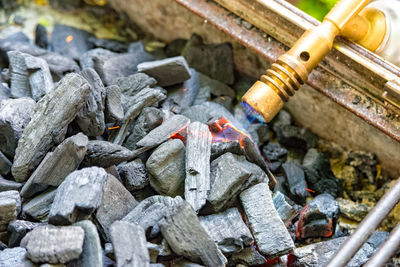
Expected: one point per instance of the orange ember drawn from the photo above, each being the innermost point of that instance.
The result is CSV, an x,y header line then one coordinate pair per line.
x,y
310,190
69,38
223,130
115,127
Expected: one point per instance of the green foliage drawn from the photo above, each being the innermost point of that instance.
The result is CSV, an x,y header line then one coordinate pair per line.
x,y
316,8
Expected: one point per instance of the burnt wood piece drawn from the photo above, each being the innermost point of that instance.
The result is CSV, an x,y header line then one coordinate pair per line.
x,y
18,229
49,124
6,185
270,233
56,165
197,164
15,257
211,89
133,174
86,60
285,207
249,256
5,164
78,196
296,182
38,208
109,44
41,38
92,253
114,111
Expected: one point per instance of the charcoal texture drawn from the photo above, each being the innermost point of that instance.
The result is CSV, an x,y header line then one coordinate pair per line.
x,y
274,152
15,257
38,208
133,175
92,254
210,89
18,229
285,207
41,38
296,181
5,165
49,123
113,107
249,256
87,59
6,185
10,207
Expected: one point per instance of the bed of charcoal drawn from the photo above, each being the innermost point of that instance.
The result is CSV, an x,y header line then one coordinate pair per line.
x,y
114,156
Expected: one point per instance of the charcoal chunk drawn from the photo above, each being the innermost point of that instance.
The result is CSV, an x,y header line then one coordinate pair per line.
x,y
220,148
285,207
318,218
211,89
92,253
38,208
249,256
18,229
295,137
270,233
133,174
54,244
109,44
214,60
166,166
15,115
296,180
113,107
5,165
87,59
49,124
273,152
15,257
228,230
10,207
6,185
4,91
56,165
78,195
175,47
41,38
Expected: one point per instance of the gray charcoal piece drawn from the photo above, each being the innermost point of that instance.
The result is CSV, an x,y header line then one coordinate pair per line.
x,y
49,124
91,117
4,91
167,71
210,88
228,230
117,202
159,249
39,207
15,115
270,233
150,211
284,207
166,166
41,38
6,185
113,109
15,257
220,148
10,207
105,154
197,164
54,244
145,98
133,175
187,237
5,164
56,165
92,253
296,181
78,195
249,256
87,59
18,229
130,245
30,76
113,45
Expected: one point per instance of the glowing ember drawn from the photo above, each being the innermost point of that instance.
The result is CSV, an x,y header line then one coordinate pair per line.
x,y
223,130
112,128
310,190
69,38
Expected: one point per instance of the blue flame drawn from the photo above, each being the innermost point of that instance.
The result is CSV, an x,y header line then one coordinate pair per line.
x,y
251,113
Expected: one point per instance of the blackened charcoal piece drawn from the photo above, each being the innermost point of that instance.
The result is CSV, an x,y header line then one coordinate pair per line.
x,y
228,230
113,107
69,41
56,165
296,181
38,208
87,58
18,229
210,88
139,49
150,211
270,233
105,154
318,218
10,207
175,47
49,123
133,174
92,254
15,115
182,222
273,152
54,244
214,60
15,257
167,71
319,174
166,166
197,164
5,164
109,44
6,185
78,196
117,202
41,38
259,133
220,148
295,137
30,76
249,256
130,245
285,207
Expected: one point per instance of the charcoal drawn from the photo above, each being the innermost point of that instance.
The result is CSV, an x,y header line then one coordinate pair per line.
x,y
220,148
145,98
4,90
30,76
296,181
274,152
109,44
140,49
105,154
6,185
5,164
148,119
69,41
353,210
319,174
228,230
259,133
15,257
87,59
56,165
210,89
15,115
78,195
113,107
92,254
10,207
129,242
166,166
182,96
133,174
249,256
214,60
159,249
295,137
285,207
318,218
41,38
175,47
197,164
38,208
270,233
167,71
18,229
49,124
54,244
91,117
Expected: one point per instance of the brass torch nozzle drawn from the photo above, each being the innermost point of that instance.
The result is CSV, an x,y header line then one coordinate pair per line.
x,y
267,96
